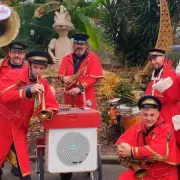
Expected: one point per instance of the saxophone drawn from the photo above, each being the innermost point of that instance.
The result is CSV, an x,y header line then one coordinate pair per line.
x,y
74,77
136,164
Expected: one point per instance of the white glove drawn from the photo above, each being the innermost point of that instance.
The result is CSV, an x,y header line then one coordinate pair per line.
x,y
163,85
178,68
176,122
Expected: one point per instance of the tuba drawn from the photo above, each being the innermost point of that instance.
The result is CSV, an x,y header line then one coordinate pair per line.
x,y
9,24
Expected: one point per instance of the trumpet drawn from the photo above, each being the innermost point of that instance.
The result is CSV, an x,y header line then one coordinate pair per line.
x,y
44,114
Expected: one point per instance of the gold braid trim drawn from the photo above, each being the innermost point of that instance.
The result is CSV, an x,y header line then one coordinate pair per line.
x,y
96,76
25,174
157,157
13,85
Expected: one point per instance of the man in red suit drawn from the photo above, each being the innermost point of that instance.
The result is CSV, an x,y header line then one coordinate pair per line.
x,y
150,145
15,60
162,70
79,71
18,90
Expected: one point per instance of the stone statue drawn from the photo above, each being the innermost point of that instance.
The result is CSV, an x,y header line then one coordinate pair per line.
x,y
58,48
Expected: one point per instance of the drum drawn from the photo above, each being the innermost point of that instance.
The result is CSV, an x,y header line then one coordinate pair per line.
x,y
124,111
114,102
131,120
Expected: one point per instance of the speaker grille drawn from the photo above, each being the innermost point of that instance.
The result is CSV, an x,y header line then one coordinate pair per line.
x,y
73,148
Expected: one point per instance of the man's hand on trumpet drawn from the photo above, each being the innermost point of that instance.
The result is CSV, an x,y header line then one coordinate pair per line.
x,y
37,88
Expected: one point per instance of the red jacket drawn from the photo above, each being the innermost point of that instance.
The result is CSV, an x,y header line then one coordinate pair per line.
x,y
4,67
91,72
165,154
167,107
15,113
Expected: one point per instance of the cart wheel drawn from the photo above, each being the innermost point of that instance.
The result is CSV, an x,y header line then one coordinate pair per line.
x,y
40,166
97,174
66,176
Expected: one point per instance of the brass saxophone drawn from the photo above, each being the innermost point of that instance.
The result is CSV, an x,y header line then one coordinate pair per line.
x,y
136,164
74,77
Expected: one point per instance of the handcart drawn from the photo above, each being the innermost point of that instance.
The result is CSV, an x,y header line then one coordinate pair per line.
x,y
68,144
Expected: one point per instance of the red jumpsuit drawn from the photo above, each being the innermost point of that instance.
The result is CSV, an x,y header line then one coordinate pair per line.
x,y
157,147
4,67
91,72
15,113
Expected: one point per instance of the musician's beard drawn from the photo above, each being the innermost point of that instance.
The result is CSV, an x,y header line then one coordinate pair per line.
x,y
32,76
80,52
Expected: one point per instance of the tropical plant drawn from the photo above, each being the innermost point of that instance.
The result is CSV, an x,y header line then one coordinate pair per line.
x,y
132,26
38,32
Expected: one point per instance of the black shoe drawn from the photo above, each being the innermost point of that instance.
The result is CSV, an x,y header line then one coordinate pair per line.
x,y
0,177
15,171
28,177
1,172
66,176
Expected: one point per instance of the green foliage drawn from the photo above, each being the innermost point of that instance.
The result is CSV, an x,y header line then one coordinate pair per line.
x,y
132,26
37,33
124,90
105,117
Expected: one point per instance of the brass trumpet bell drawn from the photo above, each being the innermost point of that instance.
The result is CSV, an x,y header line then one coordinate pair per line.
x,y
44,115
139,171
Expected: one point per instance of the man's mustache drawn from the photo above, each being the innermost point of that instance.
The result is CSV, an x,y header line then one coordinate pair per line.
x,y
16,57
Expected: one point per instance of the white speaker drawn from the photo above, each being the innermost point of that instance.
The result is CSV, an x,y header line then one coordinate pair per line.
x,y
71,150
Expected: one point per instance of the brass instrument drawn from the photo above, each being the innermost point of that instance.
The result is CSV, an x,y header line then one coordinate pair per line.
x,y
9,28
44,114
74,77
135,164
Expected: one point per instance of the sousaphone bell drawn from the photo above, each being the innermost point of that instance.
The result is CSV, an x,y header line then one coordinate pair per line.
x,y
9,24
